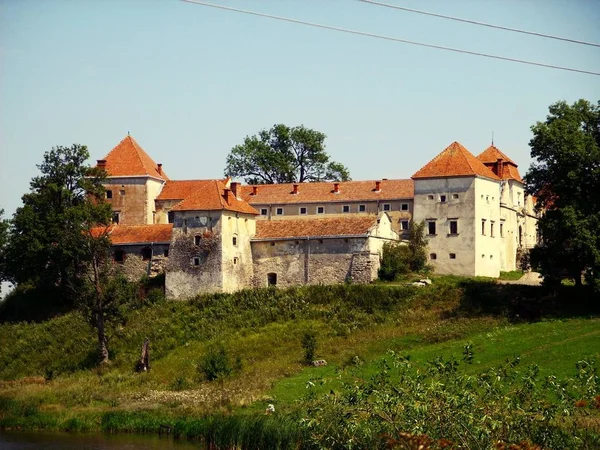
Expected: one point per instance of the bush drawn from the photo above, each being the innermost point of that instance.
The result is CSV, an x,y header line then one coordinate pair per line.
x,y
400,258
309,344
216,364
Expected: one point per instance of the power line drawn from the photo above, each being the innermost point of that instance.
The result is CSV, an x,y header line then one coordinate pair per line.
x,y
483,24
390,38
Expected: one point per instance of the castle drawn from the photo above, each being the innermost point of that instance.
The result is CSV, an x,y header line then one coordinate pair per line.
x,y
220,236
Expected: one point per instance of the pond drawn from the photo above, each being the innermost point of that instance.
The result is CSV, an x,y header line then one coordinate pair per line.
x,y
15,440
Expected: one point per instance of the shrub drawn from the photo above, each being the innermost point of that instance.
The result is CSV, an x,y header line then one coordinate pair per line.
x,y
395,261
309,344
216,364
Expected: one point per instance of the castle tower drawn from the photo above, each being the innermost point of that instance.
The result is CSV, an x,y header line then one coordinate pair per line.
x,y
457,197
134,181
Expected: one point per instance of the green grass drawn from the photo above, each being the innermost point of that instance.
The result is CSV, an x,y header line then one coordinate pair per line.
x,y
512,275
48,377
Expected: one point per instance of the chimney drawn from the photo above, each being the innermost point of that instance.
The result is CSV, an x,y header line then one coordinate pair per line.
x,y
499,167
336,188
377,186
159,169
226,192
254,190
235,189
102,164
295,191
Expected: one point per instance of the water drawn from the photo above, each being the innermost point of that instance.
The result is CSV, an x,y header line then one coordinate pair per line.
x,y
15,440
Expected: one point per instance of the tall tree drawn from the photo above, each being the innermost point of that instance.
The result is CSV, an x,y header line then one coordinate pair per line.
x,y
565,177
284,155
46,240
3,242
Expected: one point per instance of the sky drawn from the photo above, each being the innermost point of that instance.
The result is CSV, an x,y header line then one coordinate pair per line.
x,y
190,82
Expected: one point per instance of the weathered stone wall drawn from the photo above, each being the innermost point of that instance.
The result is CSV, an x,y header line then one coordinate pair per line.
x,y
135,266
185,278
311,261
133,198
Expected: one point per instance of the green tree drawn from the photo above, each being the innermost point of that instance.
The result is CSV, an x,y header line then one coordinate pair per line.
x,y
284,155
3,241
565,177
399,258
59,237
46,240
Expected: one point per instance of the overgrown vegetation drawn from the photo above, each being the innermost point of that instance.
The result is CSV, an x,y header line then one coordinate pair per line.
x,y
400,258
512,275
251,341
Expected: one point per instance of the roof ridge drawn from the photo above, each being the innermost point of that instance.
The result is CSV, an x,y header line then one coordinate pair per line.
x,y
137,151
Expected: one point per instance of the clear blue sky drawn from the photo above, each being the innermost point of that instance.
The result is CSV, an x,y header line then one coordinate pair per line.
x,y
189,82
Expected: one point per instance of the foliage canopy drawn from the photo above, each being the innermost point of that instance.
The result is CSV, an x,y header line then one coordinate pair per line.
x,y
398,258
284,155
565,177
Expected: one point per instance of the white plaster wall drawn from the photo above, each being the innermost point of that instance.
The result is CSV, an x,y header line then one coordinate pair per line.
x,y
237,259
443,243
487,246
153,188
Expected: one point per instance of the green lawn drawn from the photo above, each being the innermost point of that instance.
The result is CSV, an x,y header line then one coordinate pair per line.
x,y
512,275
554,345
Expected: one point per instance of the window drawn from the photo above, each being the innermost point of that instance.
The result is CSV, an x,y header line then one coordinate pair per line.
x,y
404,225
170,216
404,207
454,227
492,228
279,211
452,255
109,194
272,279
303,210
431,227
197,240
455,196
119,256
272,244
430,197
116,216
166,252
235,260
483,227
432,256
362,208
196,261
320,210
234,241
122,192
482,255
320,241
387,207
264,211
346,208
146,254
501,229
442,198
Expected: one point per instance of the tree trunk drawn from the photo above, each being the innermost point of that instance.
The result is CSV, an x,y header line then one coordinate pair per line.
x,y
144,362
102,341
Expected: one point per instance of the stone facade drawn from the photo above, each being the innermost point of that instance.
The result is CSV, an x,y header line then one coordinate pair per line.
x,y
476,213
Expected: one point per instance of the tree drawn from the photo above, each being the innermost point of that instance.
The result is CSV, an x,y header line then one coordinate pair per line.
x,y
3,241
399,258
46,240
565,177
59,237
284,155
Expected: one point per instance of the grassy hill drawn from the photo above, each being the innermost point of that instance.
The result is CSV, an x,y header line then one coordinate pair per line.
x,y
454,331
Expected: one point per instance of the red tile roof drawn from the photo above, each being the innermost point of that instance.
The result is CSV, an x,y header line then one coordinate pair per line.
x,y
180,189
131,234
323,192
492,154
338,226
212,197
509,169
129,159
455,161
